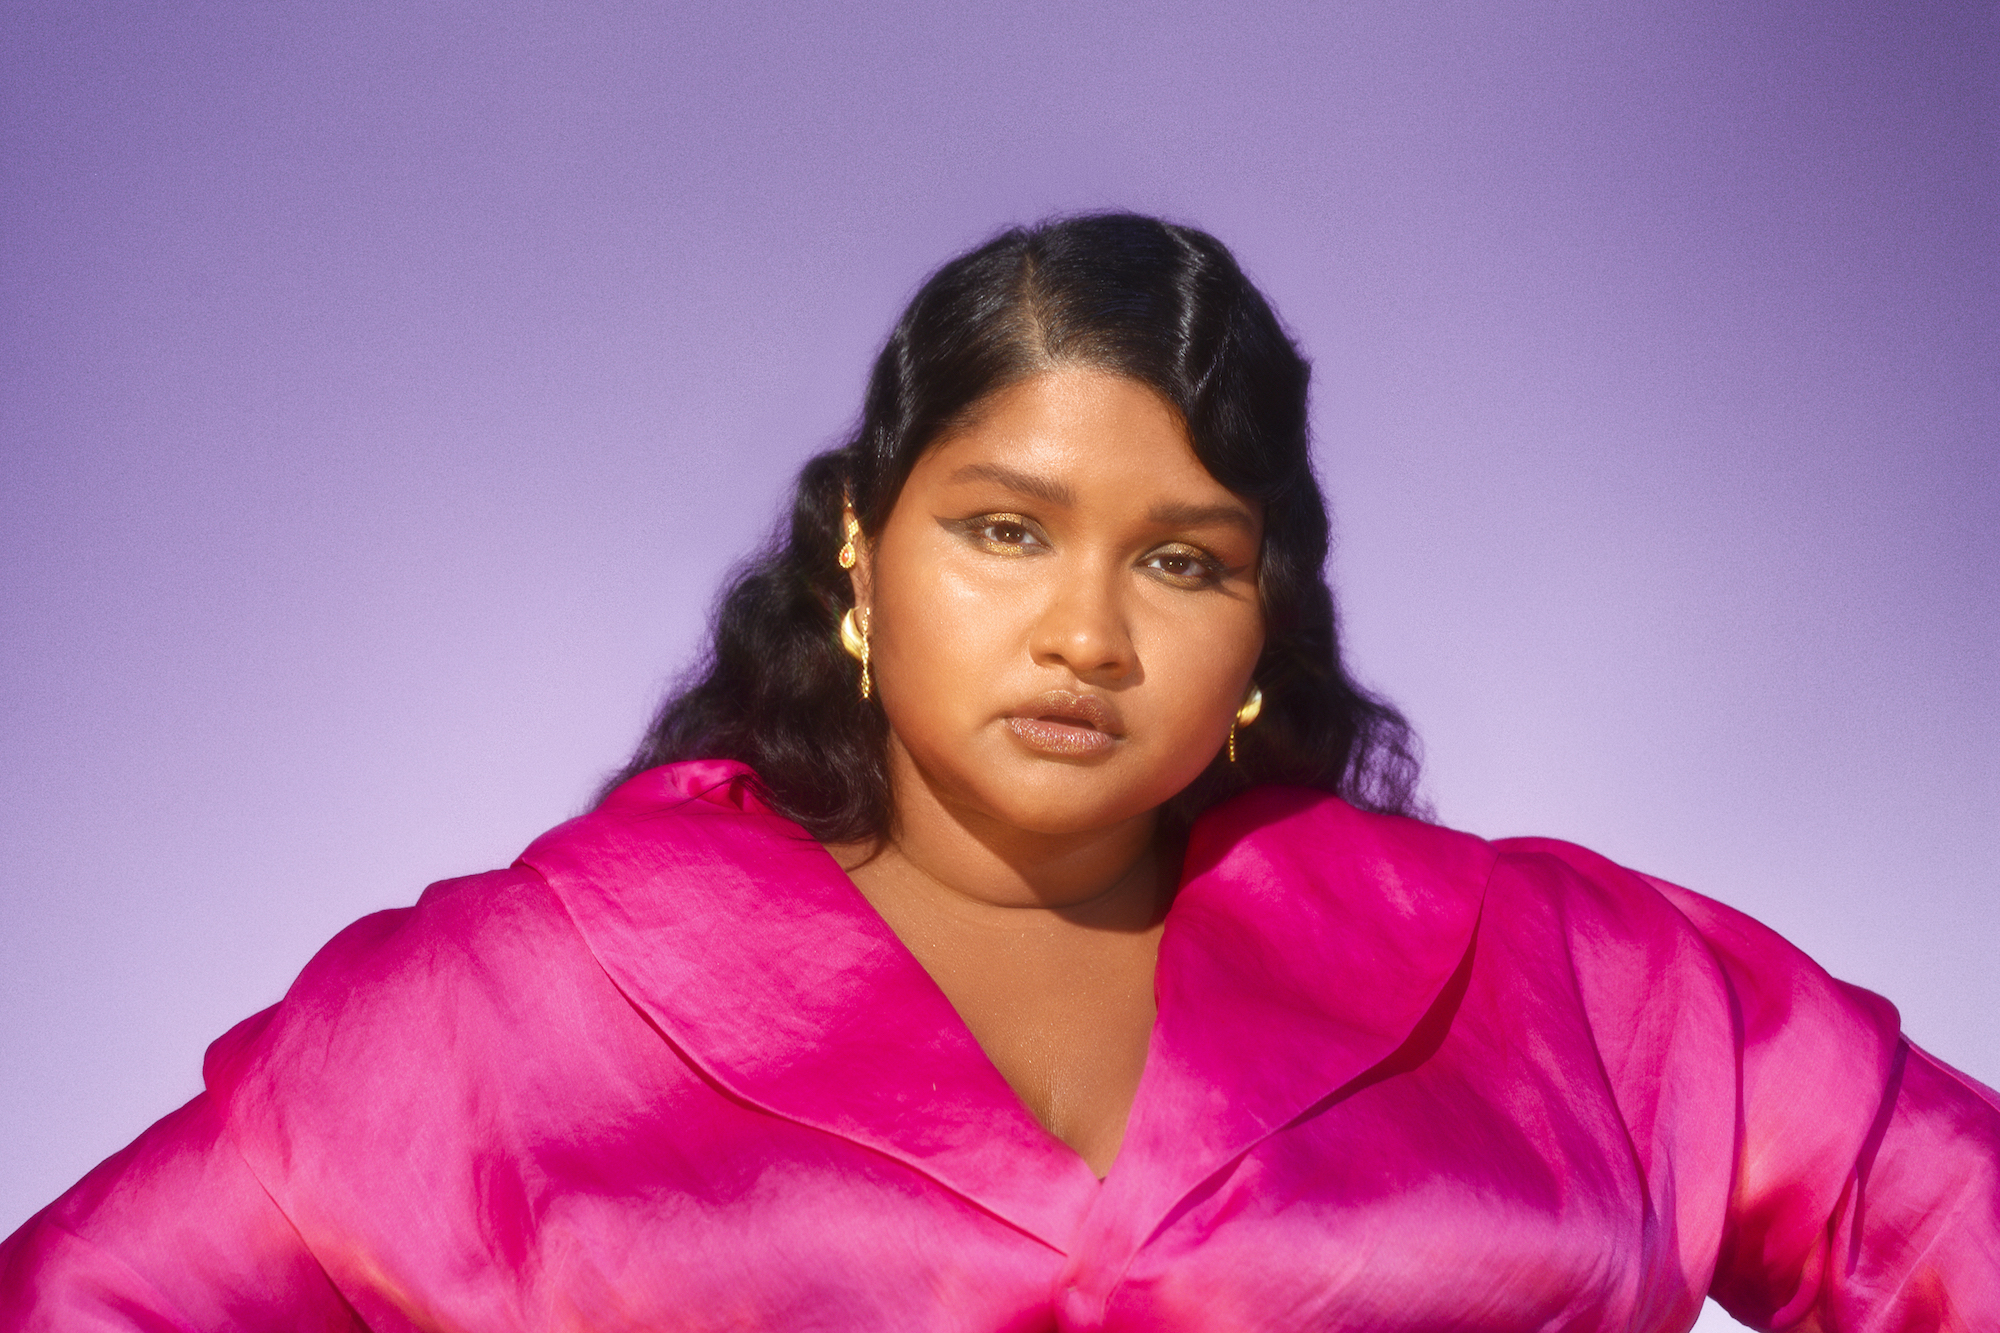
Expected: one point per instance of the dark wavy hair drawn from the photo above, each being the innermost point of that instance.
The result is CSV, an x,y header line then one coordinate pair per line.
x,y
1165,305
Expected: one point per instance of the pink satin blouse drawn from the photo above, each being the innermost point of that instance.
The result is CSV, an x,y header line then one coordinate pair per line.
x,y
670,1071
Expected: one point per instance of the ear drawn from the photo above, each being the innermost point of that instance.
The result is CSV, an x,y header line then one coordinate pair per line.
x,y
861,578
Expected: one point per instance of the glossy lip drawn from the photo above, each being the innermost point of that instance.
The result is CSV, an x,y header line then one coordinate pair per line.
x,y
1065,724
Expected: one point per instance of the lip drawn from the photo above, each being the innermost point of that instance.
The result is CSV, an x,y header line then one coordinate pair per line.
x,y
1065,724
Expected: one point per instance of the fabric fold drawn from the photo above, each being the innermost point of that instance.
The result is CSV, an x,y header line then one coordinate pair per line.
x,y
743,940
1294,962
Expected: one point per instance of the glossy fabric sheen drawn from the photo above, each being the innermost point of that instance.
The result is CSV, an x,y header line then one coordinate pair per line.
x,y
670,1071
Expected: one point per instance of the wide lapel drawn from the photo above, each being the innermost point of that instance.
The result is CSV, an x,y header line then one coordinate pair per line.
x,y
754,954
1306,942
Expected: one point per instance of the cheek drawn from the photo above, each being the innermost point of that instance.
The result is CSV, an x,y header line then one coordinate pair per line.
x,y
946,638
1199,667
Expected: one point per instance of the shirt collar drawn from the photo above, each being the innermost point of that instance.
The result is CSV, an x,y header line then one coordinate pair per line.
x,y
1308,941
1304,945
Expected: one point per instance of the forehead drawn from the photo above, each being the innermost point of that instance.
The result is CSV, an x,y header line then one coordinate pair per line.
x,y
1084,429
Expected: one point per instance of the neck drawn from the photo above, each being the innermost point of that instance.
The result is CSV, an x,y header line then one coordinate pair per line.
x,y
1110,877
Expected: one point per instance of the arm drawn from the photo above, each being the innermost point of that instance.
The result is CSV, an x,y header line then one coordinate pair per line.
x,y
1867,1174
1917,1241
172,1233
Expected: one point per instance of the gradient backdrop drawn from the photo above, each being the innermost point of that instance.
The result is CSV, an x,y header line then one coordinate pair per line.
x,y
387,386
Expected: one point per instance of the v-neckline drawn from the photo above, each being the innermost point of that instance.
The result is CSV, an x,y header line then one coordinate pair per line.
x,y
955,940
756,956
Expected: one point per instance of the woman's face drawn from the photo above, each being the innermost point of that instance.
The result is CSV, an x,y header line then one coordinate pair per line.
x,y
1064,609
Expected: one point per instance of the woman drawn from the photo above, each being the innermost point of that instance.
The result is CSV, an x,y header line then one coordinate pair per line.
x,y
1022,924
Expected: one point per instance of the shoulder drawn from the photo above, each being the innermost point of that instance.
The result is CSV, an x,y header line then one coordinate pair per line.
x,y
1646,957
478,967
505,947
389,988
1608,909
1673,979
1527,886
482,1024
1320,843
1590,890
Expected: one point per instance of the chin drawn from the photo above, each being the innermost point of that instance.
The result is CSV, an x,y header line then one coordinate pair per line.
x,y
1059,798
1058,818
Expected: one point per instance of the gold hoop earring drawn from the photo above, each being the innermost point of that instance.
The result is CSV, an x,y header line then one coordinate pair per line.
x,y
848,555
854,638
1246,713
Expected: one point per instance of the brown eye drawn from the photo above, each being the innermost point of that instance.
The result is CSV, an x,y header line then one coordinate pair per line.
x,y
1185,566
1006,532
1003,534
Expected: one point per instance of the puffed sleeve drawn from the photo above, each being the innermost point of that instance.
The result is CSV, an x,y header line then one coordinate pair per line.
x,y
172,1233
1866,1190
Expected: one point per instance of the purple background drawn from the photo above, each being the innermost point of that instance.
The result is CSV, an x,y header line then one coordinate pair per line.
x,y
386,387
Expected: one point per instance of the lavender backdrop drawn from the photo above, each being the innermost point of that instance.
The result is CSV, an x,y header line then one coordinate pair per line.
x,y
388,385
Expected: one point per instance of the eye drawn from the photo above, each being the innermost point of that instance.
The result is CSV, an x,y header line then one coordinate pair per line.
x,y
1185,566
1005,534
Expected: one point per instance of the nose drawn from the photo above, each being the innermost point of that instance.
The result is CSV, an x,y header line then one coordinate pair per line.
x,y
1083,626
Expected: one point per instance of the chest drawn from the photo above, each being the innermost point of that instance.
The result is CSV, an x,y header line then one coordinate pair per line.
x,y
1490,1185
1065,1016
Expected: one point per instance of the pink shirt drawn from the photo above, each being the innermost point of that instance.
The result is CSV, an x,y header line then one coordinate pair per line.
x,y
670,1071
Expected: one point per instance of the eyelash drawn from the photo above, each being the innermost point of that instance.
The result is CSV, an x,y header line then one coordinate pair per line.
x,y
1210,570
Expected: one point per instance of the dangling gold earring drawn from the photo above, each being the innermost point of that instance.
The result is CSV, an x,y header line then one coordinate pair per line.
x,y
848,555
854,638
1245,715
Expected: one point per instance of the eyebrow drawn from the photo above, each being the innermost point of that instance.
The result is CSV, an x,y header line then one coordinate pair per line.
x,y
1194,516
1054,492
1024,483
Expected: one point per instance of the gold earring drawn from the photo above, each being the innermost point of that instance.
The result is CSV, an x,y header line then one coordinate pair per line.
x,y
854,638
1252,706
1245,715
848,554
